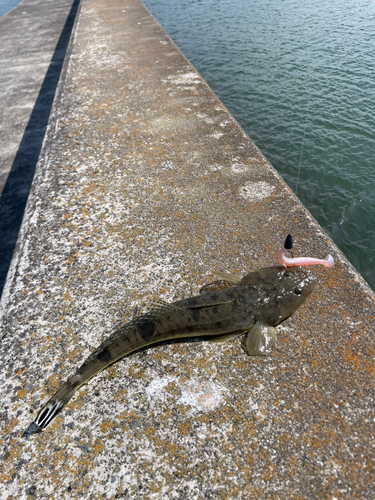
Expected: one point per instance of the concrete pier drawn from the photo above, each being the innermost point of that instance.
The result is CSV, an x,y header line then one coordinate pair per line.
x,y
145,185
34,37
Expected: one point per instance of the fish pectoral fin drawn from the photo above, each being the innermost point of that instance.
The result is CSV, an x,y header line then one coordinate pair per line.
x,y
261,340
222,338
232,278
158,305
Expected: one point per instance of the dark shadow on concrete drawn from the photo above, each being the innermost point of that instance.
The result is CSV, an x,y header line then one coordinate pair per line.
x,y
16,190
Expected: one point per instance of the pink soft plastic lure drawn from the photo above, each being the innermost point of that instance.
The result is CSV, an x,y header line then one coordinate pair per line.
x,y
300,261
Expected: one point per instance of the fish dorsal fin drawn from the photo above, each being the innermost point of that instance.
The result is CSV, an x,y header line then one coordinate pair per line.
x,y
159,306
227,277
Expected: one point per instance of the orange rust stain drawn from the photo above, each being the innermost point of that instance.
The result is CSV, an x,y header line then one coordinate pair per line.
x,y
74,256
59,457
98,447
105,426
269,472
15,453
67,296
22,393
184,429
8,429
360,362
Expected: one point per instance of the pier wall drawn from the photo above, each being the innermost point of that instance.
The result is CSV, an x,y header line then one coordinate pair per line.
x,y
34,37
145,185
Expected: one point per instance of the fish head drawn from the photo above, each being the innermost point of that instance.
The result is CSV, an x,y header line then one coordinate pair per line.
x,y
280,291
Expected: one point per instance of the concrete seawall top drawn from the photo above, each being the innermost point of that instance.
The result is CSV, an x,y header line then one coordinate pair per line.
x,y
146,185
33,40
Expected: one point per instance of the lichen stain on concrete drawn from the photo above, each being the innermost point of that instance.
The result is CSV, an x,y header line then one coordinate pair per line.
x,y
256,191
239,168
186,80
217,135
201,395
157,385
198,395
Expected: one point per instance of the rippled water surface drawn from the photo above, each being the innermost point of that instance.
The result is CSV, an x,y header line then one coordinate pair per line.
x,y
7,5
300,78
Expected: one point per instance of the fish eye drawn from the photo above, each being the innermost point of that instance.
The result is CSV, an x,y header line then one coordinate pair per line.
x,y
298,291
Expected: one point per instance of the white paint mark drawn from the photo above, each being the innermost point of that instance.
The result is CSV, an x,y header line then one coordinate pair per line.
x,y
239,168
168,165
157,386
187,78
202,432
256,191
201,396
252,405
217,135
215,167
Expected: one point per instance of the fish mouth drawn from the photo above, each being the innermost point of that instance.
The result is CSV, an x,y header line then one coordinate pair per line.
x,y
308,285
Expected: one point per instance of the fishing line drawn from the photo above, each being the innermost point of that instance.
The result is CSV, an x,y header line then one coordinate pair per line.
x,y
303,142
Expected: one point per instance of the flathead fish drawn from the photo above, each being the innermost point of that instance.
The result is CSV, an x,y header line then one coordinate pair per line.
x,y
254,305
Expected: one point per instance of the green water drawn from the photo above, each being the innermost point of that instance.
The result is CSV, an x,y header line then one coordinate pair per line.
x,y
299,76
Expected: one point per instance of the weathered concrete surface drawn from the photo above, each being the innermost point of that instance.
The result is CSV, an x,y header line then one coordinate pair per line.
x,y
144,186
33,41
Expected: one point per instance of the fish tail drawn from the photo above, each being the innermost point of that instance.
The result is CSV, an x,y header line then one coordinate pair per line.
x,y
51,409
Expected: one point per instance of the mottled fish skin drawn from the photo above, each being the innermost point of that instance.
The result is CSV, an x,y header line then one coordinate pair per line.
x,y
263,298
